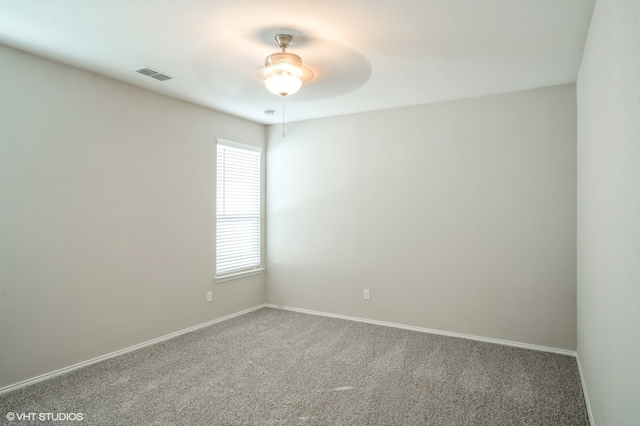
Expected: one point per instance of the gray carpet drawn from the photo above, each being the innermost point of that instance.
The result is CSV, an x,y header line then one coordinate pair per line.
x,y
273,367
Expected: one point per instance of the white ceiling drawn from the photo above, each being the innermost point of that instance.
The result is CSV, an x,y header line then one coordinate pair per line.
x,y
364,54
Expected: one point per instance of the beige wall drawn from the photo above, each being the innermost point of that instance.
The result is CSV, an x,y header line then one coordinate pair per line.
x,y
107,203
458,216
609,213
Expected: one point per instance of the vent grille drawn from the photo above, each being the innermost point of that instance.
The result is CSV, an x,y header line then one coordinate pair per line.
x,y
150,72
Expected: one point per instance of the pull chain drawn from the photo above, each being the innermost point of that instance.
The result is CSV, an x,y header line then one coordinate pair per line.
x,y
283,116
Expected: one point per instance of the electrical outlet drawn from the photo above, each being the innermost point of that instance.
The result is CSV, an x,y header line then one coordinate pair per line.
x,y
209,296
367,294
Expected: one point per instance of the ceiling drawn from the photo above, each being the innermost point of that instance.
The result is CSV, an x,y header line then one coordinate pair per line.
x,y
364,54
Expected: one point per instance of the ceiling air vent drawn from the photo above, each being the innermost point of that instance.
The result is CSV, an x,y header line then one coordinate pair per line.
x,y
150,72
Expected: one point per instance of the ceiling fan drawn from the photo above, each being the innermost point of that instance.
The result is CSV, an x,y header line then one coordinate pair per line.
x,y
234,66
283,71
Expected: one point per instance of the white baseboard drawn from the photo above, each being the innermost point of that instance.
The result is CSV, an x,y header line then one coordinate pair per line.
x,y
584,392
64,370
431,331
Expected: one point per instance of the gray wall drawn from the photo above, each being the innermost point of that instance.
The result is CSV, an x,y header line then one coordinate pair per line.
x,y
458,216
609,213
107,204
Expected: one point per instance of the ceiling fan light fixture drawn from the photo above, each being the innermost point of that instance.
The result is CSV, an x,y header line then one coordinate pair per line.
x,y
283,83
283,70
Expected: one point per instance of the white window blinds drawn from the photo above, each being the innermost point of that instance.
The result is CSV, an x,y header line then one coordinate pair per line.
x,y
237,208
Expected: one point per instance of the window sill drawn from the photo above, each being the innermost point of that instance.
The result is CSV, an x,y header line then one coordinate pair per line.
x,y
237,275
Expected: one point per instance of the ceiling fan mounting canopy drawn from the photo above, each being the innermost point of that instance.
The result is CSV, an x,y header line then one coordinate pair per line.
x,y
283,40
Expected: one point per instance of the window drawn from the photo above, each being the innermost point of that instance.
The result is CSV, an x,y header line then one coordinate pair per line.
x,y
237,210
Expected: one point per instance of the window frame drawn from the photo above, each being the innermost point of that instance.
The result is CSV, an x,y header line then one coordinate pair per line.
x,y
236,274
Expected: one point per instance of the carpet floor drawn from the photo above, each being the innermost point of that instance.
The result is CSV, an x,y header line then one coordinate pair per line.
x,y
274,367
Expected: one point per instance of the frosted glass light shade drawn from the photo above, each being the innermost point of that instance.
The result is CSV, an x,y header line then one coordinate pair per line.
x,y
283,73
283,84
